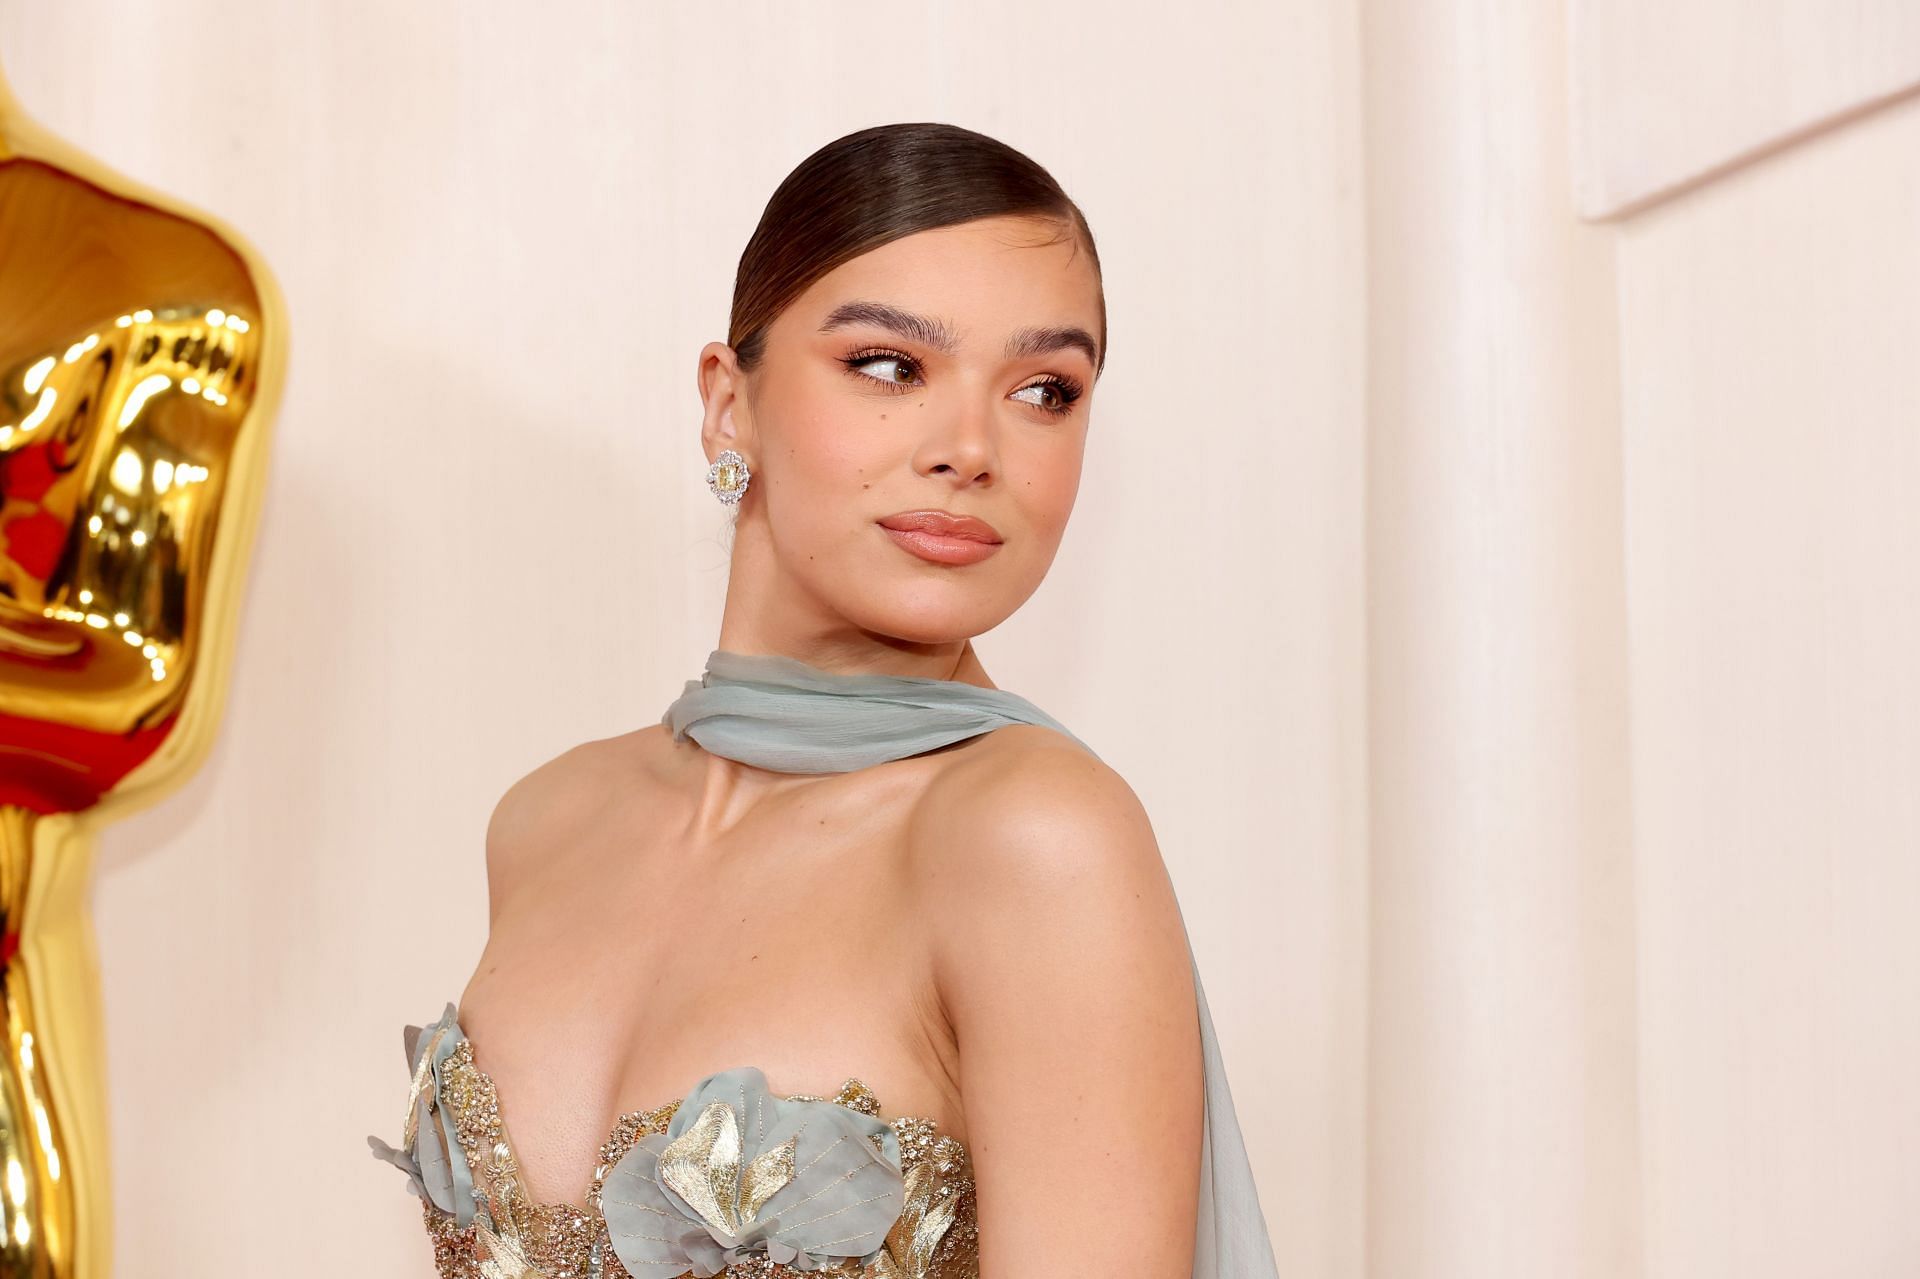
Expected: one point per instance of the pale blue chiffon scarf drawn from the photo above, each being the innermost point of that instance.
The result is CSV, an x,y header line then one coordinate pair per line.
x,y
782,714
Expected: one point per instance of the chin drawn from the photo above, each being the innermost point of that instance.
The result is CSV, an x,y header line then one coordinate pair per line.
x,y
918,615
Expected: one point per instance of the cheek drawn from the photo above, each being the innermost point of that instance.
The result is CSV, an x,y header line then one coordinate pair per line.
x,y
808,440
825,462
828,450
831,480
1054,484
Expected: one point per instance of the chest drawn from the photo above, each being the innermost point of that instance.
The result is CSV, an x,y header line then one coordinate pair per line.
x,y
631,960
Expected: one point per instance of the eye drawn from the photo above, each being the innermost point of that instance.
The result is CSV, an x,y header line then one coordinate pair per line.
x,y
1057,394
857,362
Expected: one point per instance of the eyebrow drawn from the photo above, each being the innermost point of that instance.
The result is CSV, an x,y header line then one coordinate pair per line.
x,y
938,334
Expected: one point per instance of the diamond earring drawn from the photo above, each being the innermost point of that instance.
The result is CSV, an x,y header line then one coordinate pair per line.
x,y
728,477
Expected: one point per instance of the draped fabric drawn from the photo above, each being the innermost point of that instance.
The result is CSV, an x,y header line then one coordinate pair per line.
x,y
782,714
785,715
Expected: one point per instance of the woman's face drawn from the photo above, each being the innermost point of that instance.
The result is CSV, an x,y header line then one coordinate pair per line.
x,y
947,371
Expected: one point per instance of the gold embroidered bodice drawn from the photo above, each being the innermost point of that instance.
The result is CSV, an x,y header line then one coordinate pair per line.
x,y
719,1179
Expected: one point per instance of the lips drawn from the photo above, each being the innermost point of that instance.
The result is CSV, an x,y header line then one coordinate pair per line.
x,y
941,537
942,524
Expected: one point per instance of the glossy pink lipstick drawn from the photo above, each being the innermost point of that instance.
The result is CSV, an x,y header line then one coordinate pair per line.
x,y
941,536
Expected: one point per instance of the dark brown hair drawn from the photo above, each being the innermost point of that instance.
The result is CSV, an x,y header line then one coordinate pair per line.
x,y
875,186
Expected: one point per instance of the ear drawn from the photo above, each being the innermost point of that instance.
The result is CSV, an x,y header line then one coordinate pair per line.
x,y
727,419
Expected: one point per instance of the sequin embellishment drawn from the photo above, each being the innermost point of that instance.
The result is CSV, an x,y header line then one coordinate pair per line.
x,y
718,1189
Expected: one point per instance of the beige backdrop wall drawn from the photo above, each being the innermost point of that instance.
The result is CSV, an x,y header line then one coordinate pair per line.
x,y
1496,571
1643,603
504,232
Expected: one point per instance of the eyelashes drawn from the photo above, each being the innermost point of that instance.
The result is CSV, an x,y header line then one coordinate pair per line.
x,y
1066,390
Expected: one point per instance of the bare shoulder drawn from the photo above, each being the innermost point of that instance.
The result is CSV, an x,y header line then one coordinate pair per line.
x,y
1031,803
560,798
1033,832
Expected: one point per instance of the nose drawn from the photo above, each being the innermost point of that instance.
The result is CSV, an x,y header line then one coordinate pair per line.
x,y
962,444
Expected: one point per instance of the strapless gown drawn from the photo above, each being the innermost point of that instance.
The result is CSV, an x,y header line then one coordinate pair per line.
x,y
734,1179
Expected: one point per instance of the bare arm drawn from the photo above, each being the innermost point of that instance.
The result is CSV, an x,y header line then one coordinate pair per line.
x,y
1061,961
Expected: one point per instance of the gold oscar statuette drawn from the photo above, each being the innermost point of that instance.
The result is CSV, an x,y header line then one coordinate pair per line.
x,y
142,347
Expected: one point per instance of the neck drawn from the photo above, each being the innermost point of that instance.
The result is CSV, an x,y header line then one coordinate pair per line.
x,y
858,652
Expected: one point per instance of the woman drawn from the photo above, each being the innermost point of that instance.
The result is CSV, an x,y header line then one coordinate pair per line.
x,y
853,964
